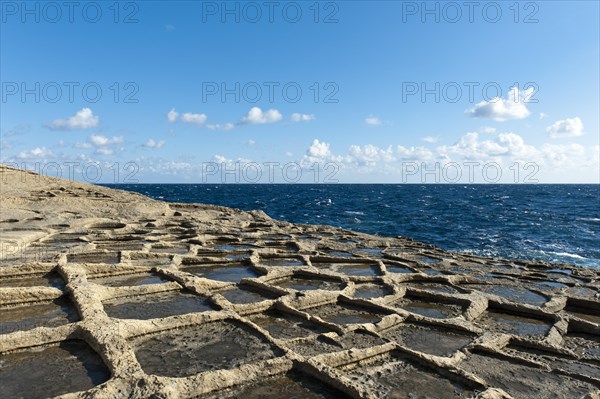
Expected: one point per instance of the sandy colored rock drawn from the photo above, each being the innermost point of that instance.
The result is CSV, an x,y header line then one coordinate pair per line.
x,y
132,297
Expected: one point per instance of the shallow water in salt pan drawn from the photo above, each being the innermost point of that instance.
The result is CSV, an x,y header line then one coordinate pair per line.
x,y
155,306
47,372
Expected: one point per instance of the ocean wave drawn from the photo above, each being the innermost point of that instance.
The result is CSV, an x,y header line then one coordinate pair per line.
x,y
567,254
354,213
589,219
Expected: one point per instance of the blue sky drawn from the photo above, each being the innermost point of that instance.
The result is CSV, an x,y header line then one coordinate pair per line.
x,y
363,58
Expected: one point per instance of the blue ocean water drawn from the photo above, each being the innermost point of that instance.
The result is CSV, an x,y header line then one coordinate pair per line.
x,y
558,223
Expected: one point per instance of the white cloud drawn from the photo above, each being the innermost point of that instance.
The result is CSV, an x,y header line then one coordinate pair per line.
x,y
104,151
370,154
225,126
83,119
508,150
318,149
488,130
101,144
570,127
172,115
372,120
543,115
101,141
564,155
257,116
151,143
430,139
198,119
318,152
36,153
250,142
296,117
500,109
413,153
289,154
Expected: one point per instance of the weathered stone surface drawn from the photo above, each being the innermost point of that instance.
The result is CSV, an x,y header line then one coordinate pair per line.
x,y
213,302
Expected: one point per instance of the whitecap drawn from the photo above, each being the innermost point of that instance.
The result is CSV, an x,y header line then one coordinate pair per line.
x,y
589,219
354,213
567,254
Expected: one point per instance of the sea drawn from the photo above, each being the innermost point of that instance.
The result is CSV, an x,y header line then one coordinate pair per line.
x,y
550,222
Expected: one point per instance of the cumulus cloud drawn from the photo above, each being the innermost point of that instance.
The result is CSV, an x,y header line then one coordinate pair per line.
x,y
318,149
100,141
104,151
83,119
151,143
318,152
488,130
430,139
420,154
224,126
257,116
505,149
172,115
101,144
198,119
370,154
499,109
543,115
470,147
296,117
570,127
37,153
372,120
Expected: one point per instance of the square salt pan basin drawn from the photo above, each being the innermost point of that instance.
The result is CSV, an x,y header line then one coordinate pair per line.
x,y
429,309
210,346
343,314
514,324
46,372
176,249
281,262
286,326
428,339
305,283
156,306
352,269
51,314
131,280
531,383
291,385
408,379
511,293
229,272
371,291
51,279
94,257
244,294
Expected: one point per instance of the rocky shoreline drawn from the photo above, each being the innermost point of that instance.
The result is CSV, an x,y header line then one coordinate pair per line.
x,y
106,293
